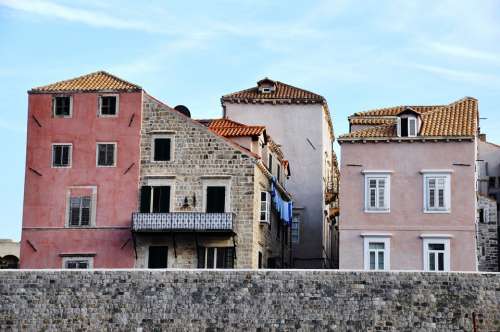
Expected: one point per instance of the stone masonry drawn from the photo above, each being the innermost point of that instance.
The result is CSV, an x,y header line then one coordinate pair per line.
x,y
232,300
487,235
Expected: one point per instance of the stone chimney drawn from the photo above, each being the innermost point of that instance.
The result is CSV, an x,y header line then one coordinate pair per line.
x,y
482,137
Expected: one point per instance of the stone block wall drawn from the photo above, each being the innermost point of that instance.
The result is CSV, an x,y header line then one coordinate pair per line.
x,y
234,300
487,235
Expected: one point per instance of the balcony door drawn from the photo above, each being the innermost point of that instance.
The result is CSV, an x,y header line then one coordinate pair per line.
x,y
155,199
216,199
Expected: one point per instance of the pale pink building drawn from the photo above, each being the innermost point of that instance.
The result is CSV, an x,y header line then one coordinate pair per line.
x,y
408,197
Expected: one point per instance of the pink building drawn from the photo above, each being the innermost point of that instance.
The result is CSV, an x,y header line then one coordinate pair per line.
x,y
408,198
82,171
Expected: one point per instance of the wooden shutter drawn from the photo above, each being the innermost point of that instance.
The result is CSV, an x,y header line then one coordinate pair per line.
x,y
381,193
145,199
65,154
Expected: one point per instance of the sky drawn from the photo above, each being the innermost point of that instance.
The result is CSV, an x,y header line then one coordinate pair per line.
x,y
358,54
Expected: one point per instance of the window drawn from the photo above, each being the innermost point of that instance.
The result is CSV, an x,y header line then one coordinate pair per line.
x,y
270,163
106,154
265,207
408,127
482,219
436,254
491,182
158,257
62,106
278,173
377,253
436,193
155,199
61,155
78,262
377,193
162,149
79,211
108,105
260,260
220,257
215,199
296,229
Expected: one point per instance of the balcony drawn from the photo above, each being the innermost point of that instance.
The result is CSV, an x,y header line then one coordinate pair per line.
x,y
183,222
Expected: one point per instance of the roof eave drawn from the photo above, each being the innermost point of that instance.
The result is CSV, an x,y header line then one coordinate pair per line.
x,y
405,139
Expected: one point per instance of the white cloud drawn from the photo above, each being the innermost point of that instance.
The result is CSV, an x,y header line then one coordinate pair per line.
x,y
464,52
459,75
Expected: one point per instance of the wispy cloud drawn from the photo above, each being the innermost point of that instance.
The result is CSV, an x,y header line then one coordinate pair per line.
x,y
459,75
73,14
464,52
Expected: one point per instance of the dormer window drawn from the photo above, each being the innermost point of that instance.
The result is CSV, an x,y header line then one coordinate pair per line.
x,y
266,85
408,123
267,90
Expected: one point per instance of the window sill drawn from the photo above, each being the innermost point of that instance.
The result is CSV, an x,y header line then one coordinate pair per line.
x,y
377,211
61,166
108,116
437,211
103,166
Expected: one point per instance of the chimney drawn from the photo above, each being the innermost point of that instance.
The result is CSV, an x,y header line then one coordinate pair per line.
x,y
482,137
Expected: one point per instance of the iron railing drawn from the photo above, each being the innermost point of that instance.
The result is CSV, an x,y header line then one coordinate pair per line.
x,y
182,222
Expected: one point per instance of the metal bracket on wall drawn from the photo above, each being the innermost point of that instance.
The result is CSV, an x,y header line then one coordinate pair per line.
x,y
310,143
126,242
36,120
131,120
128,168
135,244
175,245
32,245
234,244
35,171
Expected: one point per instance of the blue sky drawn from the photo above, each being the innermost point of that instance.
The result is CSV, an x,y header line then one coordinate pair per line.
x,y
358,54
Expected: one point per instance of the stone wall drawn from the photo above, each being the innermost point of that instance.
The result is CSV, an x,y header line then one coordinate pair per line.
x,y
237,300
487,235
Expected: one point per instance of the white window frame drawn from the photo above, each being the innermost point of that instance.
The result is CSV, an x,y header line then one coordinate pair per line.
x,y
298,229
99,106
70,107
377,175
115,154
70,157
434,174
377,238
89,260
162,182
436,239
93,206
410,118
267,207
217,182
172,150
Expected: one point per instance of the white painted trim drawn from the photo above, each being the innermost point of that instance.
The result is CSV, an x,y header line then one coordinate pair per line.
x,y
387,251
447,192
115,154
377,171
165,182
89,260
70,159
387,193
437,171
93,207
170,136
99,105
436,236
267,210
376,235
218,183
70,107
425,247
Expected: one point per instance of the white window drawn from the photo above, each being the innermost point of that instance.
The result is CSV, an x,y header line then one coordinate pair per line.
x,y
61,155
377,193
436,193
377,250
106,154
78,262
62,106
265,207
80,208
436,253
296,229
108,105
407,126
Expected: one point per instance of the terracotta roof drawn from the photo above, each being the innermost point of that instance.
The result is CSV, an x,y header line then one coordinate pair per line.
x,y
98,81
458,119
229,128
282,93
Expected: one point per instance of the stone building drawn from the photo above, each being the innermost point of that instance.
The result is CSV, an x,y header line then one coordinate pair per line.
x,y
116,179
217,176
300,121
488,201
9,254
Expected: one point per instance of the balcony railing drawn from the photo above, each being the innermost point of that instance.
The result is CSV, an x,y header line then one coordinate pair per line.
x,y
182,222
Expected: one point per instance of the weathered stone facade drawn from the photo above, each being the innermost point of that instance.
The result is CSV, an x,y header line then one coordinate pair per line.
x,y
200,157
487,234
248,300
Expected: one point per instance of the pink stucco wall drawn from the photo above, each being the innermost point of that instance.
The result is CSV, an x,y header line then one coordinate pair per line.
x,y
406,220
45,199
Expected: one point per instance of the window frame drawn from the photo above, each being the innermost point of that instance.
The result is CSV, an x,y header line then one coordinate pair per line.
x,y
99,106
89,260
408,118
298,228
70,156
434,174
93,206
217,182
115,154
377,175
172,149
215,254
376,238
267,210
54,103
436,239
